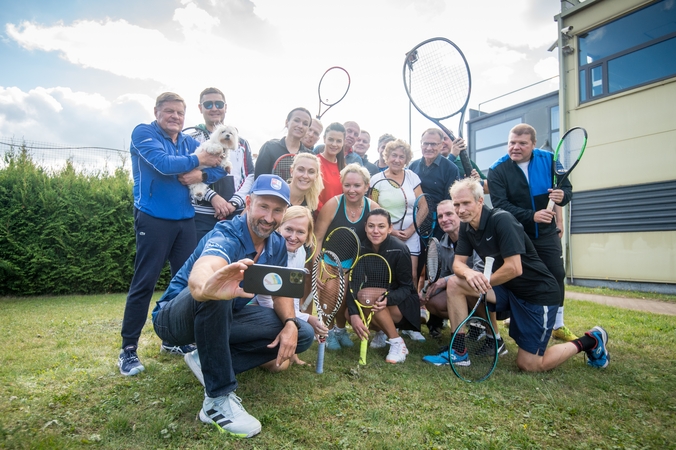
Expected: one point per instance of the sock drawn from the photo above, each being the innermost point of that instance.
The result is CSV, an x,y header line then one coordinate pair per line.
x,y
559,318
397,339
339,330
497,336
585,343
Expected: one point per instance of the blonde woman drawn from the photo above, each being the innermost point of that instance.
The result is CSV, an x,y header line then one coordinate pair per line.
x,y
306,181
350,210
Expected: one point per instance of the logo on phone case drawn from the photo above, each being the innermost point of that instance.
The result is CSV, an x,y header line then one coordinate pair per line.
x,y
272,282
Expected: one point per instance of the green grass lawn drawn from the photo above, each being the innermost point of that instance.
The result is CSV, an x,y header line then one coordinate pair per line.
x,y
60,388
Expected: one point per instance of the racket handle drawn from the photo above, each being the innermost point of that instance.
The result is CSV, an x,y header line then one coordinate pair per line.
x,y
488,267
362,352
466,165
550,205
320,357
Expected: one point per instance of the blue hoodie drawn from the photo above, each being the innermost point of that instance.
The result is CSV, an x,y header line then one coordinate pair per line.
x,y
156,163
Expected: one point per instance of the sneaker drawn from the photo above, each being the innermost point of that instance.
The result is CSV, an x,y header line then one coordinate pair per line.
x,y
460,359
415,335
344,338
379,341
398,351
440,359
192,359
177,349
489,347
506,322
229,416
424,315
435,331
476,331
332,341
598,356
563,334
128,362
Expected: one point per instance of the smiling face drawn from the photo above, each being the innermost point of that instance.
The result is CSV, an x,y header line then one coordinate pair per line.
x,y
214,115
377,229
352,132
520,147
446,145
354,187
298,124
333,143
447,218
396,160
264,213
305,172
295,232
170,117
431,146
363,144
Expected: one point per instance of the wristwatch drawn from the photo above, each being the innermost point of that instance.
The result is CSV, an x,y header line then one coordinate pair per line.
x,y
294,320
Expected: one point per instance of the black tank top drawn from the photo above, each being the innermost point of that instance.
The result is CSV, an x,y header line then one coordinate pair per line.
x,y
340,219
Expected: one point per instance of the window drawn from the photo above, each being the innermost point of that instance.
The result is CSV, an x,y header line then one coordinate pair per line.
x,y
554,126
491,143
632,51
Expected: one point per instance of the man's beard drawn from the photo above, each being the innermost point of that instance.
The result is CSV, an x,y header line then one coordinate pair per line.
x,y
254,227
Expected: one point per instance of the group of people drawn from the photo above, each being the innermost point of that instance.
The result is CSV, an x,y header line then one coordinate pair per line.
x,y
249,216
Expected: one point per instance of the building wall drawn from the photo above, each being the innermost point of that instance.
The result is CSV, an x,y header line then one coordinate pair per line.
x,y
632,141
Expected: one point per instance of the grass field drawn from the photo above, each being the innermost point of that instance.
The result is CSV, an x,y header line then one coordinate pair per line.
x,y
60,388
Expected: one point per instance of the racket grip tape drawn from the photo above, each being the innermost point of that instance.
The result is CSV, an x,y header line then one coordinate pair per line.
x,y
320,357
466,165
362,352
550,205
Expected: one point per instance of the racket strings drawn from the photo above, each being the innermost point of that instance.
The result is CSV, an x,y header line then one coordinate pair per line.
x,y
439,80
282,167
477,343
329,298
345,244
370,279
573,143
424,216
391,197
433,261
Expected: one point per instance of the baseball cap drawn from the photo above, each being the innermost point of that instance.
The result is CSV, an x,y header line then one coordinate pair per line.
x,y
267,184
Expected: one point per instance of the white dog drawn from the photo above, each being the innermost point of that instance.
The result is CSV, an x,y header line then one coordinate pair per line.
x,y
223,139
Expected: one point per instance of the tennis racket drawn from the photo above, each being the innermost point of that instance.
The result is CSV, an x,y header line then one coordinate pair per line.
x,y
370,281
424,217
282,167
199,134
333,87
475,339
433,263
439,84
568,153
391,197
328,298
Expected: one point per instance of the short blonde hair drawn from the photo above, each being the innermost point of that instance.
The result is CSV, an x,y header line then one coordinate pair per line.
x,y
312,194
359,170
474,187
296,212
168,97
395,145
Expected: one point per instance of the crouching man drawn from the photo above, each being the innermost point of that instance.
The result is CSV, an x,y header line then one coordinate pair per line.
x,y
205,304
520,283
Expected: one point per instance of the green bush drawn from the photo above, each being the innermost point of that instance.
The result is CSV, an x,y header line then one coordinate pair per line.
x,y
64,232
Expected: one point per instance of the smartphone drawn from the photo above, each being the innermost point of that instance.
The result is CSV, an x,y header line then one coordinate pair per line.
x,y
275,281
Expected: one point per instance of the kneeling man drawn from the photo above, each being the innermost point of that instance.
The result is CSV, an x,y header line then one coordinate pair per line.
x,y
520,283
205,304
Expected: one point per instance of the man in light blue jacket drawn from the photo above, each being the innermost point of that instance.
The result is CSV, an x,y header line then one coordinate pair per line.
x,y
164,163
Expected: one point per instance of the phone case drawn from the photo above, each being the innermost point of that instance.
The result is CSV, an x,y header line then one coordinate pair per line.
x,y
274,280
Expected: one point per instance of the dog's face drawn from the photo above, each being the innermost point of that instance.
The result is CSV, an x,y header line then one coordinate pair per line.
x,y
226,135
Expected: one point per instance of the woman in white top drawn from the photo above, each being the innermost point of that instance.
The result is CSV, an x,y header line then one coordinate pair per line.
x,y
397,155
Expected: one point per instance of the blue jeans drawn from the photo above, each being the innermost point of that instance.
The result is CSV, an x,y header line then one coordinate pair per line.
x,y
229,341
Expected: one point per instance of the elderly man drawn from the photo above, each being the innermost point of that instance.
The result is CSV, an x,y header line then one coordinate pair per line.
x,y
163,164
436,172
204,303
224,198
361,147
520,283
521,183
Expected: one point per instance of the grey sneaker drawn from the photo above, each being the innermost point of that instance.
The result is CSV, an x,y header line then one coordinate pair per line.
x,y
192,359
228,415
128,362
414,335
379,341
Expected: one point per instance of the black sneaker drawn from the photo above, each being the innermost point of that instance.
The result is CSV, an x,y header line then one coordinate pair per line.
x,y
489,347
476,331
177,349
128,362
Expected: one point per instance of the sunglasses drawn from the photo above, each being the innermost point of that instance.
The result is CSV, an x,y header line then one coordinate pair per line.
x,y
210,104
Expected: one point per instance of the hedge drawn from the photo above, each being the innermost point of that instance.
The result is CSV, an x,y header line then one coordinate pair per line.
x,y
63,231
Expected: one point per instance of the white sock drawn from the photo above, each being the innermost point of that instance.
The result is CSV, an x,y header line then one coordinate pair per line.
x,y
339,330
559,318
397,339
497,336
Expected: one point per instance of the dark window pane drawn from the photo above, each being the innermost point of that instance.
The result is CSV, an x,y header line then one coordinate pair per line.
x,y
494,135
486,158
640,27
648,64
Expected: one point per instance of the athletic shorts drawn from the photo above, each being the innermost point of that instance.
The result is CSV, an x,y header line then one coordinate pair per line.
x,y
530,325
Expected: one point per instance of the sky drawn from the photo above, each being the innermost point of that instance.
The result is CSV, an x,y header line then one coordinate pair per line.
x,y
86,72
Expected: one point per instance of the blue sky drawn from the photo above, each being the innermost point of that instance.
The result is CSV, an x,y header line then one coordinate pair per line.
x,y
87,72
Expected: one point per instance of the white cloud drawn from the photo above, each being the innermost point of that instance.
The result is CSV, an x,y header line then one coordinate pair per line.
x,y
547,67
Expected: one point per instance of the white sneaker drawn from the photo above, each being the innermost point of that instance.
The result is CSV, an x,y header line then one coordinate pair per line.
x,y
415,335
398,351
192,359
229,416
379,341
